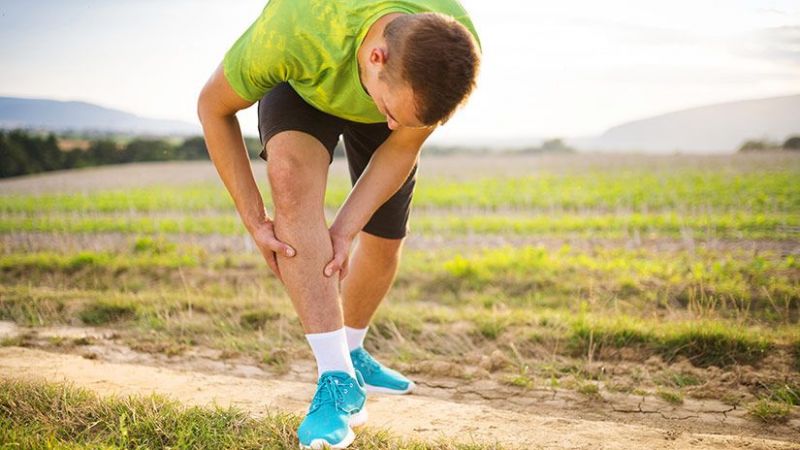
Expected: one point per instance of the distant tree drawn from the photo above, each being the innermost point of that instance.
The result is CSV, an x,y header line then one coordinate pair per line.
x,y
13,159
792,143
149,150
104,151
757,145
50,157
253,145
556,145
192,148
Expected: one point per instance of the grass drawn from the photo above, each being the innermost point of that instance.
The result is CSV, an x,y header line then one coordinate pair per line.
x,y
669,263
739,225
707,282
106,311
670,396
38,415
637,190
589,389
770,412
704,343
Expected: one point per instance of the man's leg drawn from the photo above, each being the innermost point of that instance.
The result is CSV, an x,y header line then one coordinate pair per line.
x,y
373,267
374,263
298,173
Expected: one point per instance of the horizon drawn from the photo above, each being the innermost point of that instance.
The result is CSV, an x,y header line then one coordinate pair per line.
x,y
575,70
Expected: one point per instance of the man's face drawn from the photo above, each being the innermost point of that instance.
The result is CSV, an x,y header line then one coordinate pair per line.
x,y
395,100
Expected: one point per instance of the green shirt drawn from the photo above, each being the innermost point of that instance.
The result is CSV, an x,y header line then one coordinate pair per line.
x,y
312,44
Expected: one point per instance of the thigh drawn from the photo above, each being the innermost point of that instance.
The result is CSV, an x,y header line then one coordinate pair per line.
x,y
282,109
390,221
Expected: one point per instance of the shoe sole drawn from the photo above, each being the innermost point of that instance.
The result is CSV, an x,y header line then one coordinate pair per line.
x,y
360,418
318,444
383,390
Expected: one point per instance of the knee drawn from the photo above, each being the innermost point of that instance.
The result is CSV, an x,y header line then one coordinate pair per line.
x,y
286,193
289,179
382,250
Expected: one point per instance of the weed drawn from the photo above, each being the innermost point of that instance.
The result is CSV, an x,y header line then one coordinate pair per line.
x,y
670,396
84,340
106,311
786,394
153,245
13,341
676,379
589,389
769,411
707,344
255,320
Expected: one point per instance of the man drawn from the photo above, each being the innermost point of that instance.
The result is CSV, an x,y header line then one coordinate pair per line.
x,y
383,74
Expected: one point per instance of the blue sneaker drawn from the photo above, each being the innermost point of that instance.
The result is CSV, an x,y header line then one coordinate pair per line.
x,y
377,377
337,404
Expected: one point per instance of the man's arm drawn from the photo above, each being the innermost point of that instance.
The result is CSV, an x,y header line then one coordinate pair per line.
x,y
216,108
387,170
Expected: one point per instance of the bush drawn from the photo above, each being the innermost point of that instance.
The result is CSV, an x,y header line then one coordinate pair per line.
x,y
758,145
792,143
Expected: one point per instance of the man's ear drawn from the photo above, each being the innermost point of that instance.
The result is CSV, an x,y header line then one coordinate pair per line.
x,y
378,55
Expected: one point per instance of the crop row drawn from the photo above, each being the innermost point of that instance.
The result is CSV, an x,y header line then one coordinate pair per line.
x,y
635,191
774,226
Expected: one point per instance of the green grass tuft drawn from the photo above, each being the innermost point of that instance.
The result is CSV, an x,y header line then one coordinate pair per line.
x,y
713,344
786,394
769,411
589,389
670,396
101,312
255,320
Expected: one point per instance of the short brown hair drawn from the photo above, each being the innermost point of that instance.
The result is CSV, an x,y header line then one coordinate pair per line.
x,y
438,58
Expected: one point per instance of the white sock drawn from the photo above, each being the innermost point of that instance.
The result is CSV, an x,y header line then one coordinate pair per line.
x,y
355,337
330,351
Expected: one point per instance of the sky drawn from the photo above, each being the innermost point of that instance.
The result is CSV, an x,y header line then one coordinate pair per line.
x,y
563,68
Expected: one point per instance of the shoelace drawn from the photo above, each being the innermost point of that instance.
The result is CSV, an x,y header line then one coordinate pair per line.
x,y
368,363
329,390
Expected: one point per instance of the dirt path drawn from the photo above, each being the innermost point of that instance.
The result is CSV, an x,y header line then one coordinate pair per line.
x,y
410,416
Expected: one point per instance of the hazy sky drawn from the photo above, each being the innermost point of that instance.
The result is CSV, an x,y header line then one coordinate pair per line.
x,y
558,68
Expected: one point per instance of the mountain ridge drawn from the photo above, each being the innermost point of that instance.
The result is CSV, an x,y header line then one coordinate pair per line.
x,y
715,128
80,116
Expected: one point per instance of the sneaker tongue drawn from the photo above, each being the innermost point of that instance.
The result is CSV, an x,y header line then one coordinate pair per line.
x,y
336,375
360,378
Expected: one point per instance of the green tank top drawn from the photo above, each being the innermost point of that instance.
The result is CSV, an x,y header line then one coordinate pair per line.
x,y
312,45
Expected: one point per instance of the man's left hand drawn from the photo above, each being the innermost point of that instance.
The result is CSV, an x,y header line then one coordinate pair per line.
x,y
341,254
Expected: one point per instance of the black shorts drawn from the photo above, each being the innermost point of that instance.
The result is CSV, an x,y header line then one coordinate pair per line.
x,y
281,109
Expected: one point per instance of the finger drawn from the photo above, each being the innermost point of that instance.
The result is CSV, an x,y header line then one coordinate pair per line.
x,y
334,265
279,247
330,268
272,262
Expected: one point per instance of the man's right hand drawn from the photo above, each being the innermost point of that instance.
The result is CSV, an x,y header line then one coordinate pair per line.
x,y
264,236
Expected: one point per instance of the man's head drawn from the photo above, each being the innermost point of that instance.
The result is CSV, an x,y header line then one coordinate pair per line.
x,y
425,71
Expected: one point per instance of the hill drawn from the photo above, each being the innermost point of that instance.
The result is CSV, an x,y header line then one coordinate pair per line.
x,y
715,128
63,116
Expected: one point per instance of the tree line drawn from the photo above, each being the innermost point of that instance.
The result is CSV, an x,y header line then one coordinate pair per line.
x,y
760,145
23,153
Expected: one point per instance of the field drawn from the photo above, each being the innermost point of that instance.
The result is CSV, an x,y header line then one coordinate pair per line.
x,y
658,292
